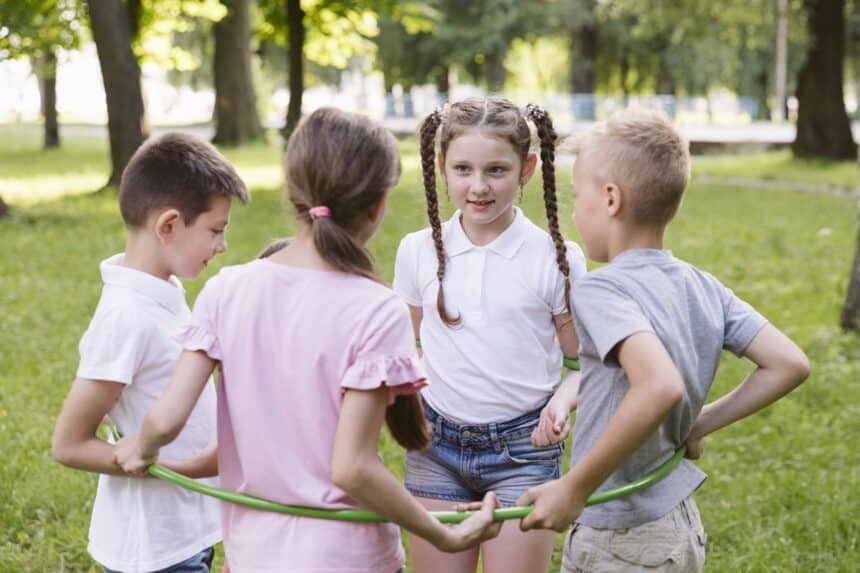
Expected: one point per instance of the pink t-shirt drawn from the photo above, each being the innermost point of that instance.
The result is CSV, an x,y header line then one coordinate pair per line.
x,y
290,340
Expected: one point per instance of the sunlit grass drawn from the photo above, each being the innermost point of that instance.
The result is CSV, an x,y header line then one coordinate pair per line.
x,y
782,492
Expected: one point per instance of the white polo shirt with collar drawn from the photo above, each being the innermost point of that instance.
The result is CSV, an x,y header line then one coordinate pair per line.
x,y
504,359
145,524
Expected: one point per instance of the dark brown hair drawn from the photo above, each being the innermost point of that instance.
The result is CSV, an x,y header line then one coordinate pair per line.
x,y
499,118
347,163
176,170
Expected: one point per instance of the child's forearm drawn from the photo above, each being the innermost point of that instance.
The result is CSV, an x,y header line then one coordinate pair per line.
x,y
369,482
568,390
761,388
203,465
92,455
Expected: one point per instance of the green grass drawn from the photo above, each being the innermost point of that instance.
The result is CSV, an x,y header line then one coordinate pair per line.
x,y
782,495
780,166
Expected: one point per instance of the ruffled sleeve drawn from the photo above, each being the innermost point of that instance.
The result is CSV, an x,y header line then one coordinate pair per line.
x,y
401,374
384,352
200,332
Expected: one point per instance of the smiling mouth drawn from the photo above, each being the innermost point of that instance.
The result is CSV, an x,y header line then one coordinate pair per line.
x,y
482,203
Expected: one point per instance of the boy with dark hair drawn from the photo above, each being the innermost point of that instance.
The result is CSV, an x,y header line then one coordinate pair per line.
x,y
175,200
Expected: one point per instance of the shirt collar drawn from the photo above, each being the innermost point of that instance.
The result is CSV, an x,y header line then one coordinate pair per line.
x,y
507,244
170,294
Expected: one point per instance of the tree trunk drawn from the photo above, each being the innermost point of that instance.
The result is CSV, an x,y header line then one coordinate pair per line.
x,y
781,59
127,127
851,310
496,71
4,209
823,129
47,74
236,119
583,70
296,27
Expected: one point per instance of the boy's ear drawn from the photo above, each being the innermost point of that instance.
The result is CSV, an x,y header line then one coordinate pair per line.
x,y
528,168
166,223
614,199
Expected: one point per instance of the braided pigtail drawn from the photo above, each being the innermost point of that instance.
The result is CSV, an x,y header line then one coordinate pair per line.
x,y
428,165
548,137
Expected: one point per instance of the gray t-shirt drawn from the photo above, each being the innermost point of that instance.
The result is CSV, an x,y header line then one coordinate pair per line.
x,y
695,316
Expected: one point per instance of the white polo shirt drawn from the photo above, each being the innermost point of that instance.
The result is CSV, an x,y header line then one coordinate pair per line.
x,y
504,359
145,524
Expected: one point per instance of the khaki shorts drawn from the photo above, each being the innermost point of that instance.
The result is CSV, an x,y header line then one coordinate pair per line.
x,y
675,543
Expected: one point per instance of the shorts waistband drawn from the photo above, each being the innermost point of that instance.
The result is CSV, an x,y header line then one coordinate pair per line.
x,y
481,435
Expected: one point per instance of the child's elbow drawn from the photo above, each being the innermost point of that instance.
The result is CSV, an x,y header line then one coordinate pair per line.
x,y
797,367
61,452
348,476
670,391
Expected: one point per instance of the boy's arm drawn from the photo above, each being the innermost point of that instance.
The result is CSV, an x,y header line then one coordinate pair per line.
x,y
75,442
203,465
782,366
656,387
168,415
554,423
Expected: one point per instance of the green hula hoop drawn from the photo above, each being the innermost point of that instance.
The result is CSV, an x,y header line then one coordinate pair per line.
x,y
367,516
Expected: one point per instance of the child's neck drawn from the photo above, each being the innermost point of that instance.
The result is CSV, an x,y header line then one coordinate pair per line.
x,y
141,255
302,253
626,238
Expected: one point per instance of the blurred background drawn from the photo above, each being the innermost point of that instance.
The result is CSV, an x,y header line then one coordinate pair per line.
x,y
768,71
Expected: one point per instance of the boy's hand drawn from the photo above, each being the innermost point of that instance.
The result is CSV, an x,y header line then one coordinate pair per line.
x,y
695,448
555,506
554,423
477,529
128,456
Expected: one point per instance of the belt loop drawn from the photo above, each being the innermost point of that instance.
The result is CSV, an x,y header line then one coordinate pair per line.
x,y
494,438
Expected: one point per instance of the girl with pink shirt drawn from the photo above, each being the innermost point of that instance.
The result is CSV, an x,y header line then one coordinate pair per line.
x,y
313,353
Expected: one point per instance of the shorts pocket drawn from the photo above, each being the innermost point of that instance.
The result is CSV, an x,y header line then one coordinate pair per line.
x,y
521,451
655,544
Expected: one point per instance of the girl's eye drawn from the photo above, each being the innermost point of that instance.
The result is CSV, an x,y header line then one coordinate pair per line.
x,y
497,170
217,231
461,168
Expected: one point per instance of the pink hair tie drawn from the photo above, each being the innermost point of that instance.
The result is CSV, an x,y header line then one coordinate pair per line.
x,y
319,212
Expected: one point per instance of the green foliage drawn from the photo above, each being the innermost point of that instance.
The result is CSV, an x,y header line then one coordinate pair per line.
x,y
781,495
162,22
36,28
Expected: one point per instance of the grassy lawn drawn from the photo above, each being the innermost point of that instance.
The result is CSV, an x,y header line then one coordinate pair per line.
x,y
782,493
780,166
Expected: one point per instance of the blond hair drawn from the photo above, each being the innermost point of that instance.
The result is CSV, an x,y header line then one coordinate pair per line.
x,y
642,153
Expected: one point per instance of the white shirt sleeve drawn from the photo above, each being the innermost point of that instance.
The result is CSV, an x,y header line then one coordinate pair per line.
x,y
406,271
113,346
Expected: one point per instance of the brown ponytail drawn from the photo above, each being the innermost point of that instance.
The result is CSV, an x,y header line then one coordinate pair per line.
x,y
548,138
348,163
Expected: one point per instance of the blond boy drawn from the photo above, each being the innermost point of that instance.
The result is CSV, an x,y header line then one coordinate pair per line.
x,y
652,328
175,200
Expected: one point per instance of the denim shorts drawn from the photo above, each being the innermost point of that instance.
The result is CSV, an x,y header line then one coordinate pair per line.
x,y
464,461
198,563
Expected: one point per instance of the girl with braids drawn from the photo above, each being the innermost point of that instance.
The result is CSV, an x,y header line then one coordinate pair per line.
x,y
313,352
488,293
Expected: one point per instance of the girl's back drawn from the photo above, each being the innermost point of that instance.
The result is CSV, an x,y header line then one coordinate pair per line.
x,y
290,339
